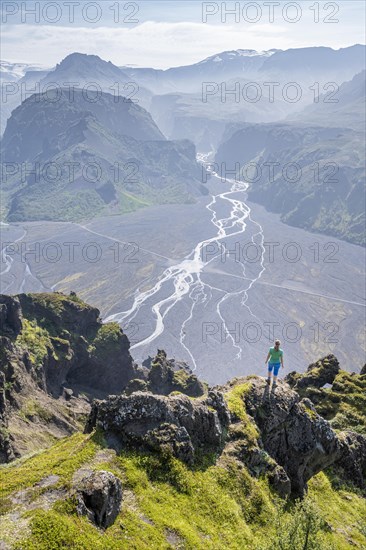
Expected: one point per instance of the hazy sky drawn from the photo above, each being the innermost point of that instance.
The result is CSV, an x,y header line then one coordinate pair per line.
x,y
168,33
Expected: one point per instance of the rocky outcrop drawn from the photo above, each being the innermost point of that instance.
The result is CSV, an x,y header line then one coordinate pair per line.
x,y
176,423
53,347
317,374
49,342
277,434
165,377
78,349
94,355
292,432
99,497
339,397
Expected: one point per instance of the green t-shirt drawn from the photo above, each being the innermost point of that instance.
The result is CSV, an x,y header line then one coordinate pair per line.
x,y
275,355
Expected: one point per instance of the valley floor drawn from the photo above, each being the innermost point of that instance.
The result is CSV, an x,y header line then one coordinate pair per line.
x,y
262,280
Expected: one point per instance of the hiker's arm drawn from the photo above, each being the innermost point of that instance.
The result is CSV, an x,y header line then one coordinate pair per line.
x,y
268,356
282,361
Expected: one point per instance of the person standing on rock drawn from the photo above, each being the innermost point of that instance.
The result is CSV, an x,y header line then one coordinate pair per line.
x,y
275,358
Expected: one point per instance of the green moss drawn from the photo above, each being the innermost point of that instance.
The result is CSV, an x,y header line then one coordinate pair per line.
x,y
200,506
32,408
180,378
5,506
53,531
4,432
310,412
106,339
55,301
235,402
36,340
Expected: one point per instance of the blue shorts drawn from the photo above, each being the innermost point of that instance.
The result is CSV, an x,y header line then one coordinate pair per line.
x,y
275,367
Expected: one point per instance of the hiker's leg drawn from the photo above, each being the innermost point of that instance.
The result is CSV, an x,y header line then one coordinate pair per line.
x,y
269,374
275,373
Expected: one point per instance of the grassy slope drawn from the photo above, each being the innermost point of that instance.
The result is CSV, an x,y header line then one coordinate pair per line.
x,y
166,505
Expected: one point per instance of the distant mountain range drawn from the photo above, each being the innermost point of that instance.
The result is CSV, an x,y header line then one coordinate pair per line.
x,y
325,126
324,146
120,160
198,101
306,66
301,64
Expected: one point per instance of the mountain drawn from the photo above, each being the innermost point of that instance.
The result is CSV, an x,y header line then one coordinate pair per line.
x,y
156,468
77,70
81,66
225,71
316,178
119,159
90,71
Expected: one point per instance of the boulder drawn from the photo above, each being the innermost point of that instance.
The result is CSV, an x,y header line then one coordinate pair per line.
x,y
68,393
150,421
171,438
99,497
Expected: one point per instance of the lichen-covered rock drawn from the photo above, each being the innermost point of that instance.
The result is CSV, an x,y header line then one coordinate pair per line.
x,y
166,376
99,497
146,420
292,432
317,374
280,481
171,438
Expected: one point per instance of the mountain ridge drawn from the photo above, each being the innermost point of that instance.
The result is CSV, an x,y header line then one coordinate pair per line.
x,y
132,163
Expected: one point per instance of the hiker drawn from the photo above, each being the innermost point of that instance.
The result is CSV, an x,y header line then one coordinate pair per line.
x,y
275,356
